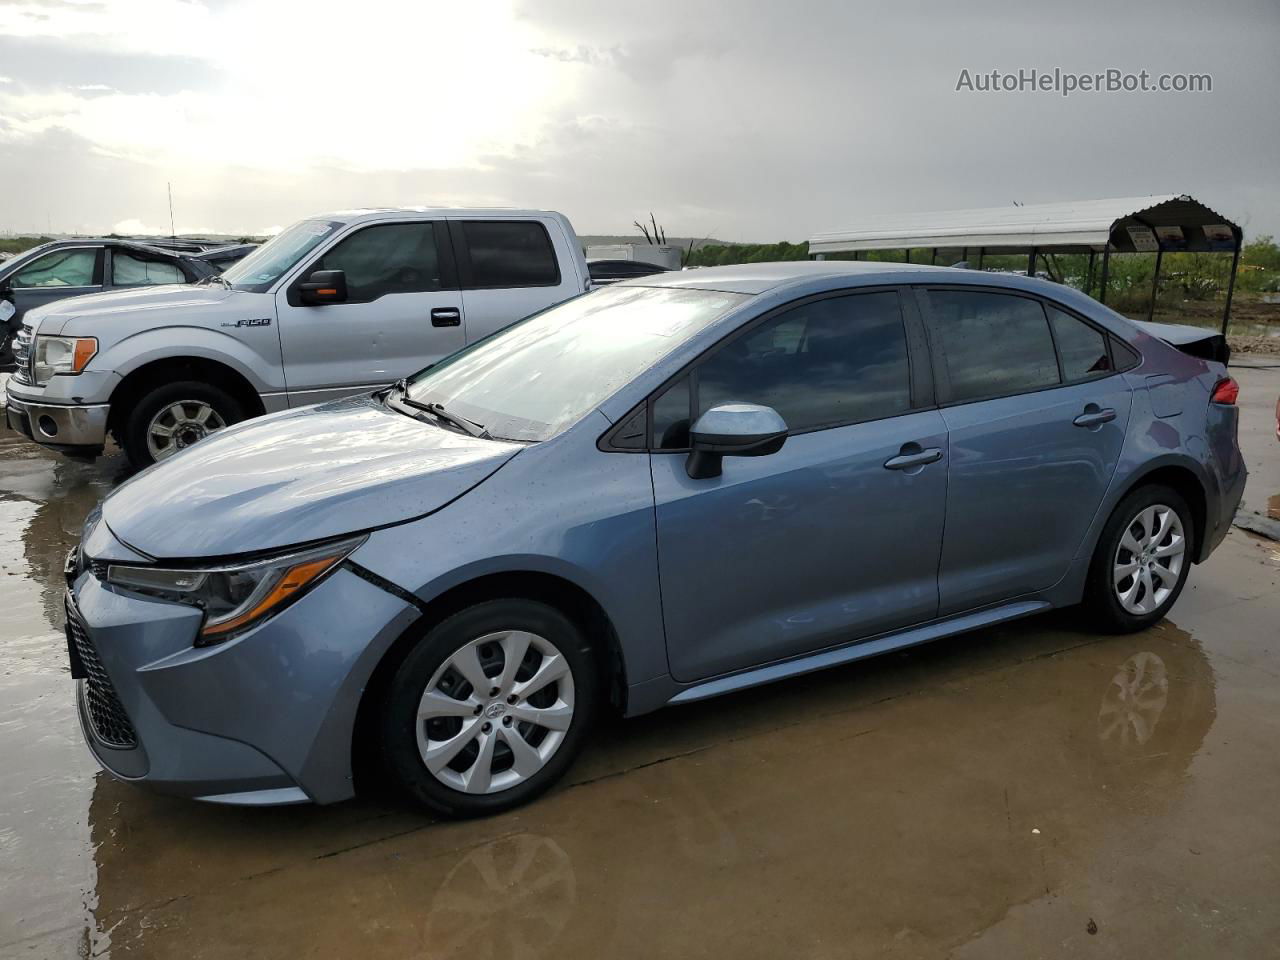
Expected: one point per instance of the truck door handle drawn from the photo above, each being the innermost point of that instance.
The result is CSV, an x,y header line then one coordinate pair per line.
x,y
446,317
1094,417
911,455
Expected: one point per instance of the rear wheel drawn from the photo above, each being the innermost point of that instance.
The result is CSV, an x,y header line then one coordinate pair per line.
x,y
490,708
172,417
1142,560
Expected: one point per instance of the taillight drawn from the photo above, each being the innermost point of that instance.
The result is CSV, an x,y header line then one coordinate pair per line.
x,y
1225,391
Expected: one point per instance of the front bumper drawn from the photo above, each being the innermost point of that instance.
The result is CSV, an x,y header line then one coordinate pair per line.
x,y
64,427
265,718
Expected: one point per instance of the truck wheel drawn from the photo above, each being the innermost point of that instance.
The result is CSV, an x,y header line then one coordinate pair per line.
x,y
173,417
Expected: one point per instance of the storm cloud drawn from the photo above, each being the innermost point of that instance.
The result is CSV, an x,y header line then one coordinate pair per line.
x,y
747,120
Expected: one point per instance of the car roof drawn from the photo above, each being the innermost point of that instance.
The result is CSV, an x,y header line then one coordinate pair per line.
x,y
756,278
391,213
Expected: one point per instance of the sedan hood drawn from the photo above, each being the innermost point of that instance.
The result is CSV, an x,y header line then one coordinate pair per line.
x,y
298,476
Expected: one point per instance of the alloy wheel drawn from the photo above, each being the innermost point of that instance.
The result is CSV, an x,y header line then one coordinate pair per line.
x,y
1149,559
495,712
179,425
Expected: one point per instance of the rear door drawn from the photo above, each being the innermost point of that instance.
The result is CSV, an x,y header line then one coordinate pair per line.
x,y
403,312
134,268
61,273
835,536
511,268
1036,418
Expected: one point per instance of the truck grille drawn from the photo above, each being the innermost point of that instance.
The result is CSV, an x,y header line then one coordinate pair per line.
x,y
106,713
22,356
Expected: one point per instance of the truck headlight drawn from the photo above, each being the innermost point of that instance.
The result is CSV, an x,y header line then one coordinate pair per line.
x,y
62,355
240,596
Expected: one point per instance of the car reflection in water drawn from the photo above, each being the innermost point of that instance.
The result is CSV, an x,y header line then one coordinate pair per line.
x,y
900,804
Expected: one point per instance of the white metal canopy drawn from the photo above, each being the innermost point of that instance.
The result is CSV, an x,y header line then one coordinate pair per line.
x,y
1074,226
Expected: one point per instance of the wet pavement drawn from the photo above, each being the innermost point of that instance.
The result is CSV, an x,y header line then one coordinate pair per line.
x,y
1029,791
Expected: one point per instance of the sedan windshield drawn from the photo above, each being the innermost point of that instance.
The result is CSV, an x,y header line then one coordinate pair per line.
x,y
531,380
260,269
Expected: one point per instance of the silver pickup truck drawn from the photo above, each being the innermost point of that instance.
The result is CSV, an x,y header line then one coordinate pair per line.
x,y
336,304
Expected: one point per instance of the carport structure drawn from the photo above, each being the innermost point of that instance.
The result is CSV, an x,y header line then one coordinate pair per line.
x,y
1155,224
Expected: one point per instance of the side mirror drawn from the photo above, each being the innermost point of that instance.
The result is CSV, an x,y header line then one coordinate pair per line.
x,y
323,286
733,430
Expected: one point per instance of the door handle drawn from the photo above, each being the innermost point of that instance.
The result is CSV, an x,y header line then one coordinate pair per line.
x,y
1094,417
446,317
912,456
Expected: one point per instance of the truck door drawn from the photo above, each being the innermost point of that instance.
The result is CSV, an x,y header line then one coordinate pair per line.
x,y
403,312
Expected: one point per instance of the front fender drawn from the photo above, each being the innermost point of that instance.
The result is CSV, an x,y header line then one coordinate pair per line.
x,y
259,362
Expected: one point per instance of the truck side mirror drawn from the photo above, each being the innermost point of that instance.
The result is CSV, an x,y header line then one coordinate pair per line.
x,y
323,286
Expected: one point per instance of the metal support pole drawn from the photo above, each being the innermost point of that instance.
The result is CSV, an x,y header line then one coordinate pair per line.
x,y
1031,263
933,257
1231,286
1106,266
1088,282
906,255
1155,286
982,253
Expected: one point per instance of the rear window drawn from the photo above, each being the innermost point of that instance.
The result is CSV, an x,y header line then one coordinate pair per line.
x,y
993,344
1083,349
510,254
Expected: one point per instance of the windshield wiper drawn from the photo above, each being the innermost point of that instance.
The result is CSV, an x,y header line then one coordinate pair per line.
x,y
470,427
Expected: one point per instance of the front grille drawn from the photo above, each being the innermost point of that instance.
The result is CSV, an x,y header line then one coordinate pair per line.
x,y
98,568
22,355
106,713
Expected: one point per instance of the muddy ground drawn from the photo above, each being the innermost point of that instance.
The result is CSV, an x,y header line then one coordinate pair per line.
x,y
1030,791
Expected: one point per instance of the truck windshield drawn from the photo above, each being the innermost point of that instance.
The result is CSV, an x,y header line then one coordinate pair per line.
x,y
260,269
531,380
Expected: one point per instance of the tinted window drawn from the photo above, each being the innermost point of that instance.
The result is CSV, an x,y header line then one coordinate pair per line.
x,y
671,417
393,258
128,271
838,360
1081,348
516,254
992,343
61,268
1125,356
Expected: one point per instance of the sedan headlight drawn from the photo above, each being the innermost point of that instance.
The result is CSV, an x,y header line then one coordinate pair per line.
x,y
62,355
240,596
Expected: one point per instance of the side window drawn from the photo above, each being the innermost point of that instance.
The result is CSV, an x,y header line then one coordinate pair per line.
x,y
510,254
129,271
832,361
671,417
59,268
992,343
392,258
1082,349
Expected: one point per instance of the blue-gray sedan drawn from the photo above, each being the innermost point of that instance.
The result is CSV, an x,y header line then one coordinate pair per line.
x,y
669,489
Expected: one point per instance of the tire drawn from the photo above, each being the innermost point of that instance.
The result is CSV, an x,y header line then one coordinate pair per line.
x,y
1125,604
457,736
195,397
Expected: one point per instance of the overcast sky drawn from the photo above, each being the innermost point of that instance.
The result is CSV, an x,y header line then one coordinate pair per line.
x,y
745,120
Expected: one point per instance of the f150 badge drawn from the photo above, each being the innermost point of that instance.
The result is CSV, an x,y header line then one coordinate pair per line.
x,y
255,322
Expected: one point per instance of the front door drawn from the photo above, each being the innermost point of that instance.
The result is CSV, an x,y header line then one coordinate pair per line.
x,y
403,312
58,274
830,539
1036,416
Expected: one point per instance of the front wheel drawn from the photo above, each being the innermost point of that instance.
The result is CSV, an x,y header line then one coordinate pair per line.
x,y
490,708
1142,560
172,417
